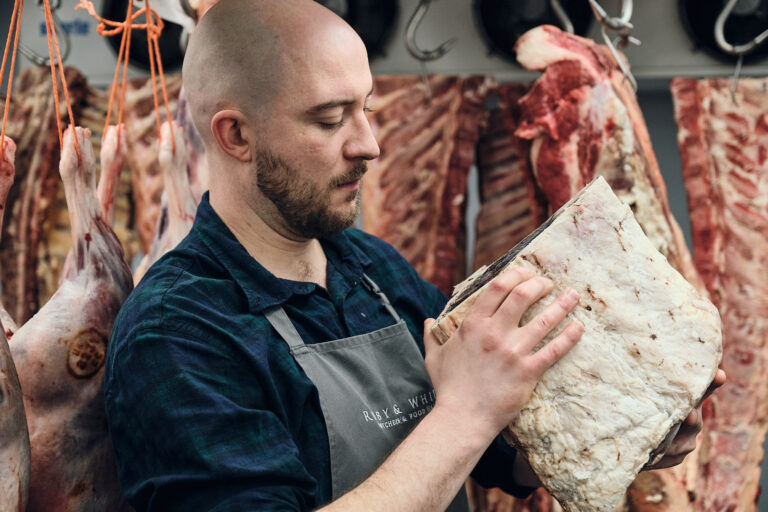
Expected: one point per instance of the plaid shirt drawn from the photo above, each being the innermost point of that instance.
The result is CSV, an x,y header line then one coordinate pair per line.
x,y
207,408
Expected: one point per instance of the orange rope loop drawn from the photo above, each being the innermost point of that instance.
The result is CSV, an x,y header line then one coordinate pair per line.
x,y
54,43
118,26
18,8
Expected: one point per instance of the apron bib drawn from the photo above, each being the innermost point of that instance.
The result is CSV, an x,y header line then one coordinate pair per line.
x,y
373,390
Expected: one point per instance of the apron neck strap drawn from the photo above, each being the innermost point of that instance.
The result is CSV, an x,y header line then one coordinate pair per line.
x,y
278,318
372,287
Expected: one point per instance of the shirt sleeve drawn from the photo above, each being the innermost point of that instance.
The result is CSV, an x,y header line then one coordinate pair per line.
x,y
192,431
495,469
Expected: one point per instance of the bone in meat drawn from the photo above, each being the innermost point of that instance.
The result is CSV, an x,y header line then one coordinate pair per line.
x,y
113,154
511,206
14,437
650,349
413,195
180,206
724,148
584,121
59,354
114,149
28,266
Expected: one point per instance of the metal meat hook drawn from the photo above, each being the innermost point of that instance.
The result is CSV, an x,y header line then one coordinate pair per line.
x,y
562,16
410,36
41,60
727,47
739,50
619,24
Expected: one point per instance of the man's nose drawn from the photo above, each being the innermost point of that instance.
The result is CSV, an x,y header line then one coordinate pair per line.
x,y
362,143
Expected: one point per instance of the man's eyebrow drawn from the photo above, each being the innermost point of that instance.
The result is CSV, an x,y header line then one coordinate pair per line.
x,y
317,109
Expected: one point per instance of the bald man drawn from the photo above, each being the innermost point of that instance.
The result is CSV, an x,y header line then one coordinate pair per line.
x,y
275,359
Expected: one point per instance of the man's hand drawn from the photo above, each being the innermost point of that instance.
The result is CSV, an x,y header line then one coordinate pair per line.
x,y
685,440
486,371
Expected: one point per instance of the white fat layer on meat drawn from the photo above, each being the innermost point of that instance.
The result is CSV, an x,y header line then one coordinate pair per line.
x,y
621,157
535,51
651,346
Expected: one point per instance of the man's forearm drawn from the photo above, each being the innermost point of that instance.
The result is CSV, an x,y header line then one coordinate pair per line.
x,y
425,472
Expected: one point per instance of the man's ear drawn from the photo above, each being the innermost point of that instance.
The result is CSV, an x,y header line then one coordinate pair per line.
x,y
230,129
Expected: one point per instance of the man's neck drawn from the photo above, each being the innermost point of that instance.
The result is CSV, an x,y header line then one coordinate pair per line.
x,y
284,256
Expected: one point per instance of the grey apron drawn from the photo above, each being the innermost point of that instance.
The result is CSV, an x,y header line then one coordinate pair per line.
x,y
373,390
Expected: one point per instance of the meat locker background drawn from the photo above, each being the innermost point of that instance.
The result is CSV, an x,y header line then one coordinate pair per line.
x,y
461,178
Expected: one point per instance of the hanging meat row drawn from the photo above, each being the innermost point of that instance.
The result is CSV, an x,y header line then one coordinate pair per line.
x,y
538,145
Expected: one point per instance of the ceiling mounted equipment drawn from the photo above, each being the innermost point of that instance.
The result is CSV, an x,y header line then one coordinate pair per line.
x,y
747,20
373,20
502,22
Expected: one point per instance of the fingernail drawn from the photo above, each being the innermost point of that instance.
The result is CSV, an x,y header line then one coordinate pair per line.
x,y
572,296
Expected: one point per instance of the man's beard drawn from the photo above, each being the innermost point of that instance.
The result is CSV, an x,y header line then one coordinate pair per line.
x,y
305,206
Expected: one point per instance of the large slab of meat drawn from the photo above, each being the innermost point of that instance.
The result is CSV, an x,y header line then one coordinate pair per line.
x,y
583,121
59,354
414,193
511,206
36,235
25,267
146,176
14,437
650,349
724,146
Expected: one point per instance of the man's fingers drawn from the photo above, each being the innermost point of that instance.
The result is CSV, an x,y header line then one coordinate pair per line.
x,y
545,321
694,420
521,298
497,290
553,351
718,381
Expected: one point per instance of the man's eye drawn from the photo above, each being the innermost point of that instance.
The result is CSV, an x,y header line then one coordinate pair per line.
x,y
331,126
369,109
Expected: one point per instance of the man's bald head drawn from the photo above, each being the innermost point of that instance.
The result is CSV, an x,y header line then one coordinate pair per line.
x,y
243,52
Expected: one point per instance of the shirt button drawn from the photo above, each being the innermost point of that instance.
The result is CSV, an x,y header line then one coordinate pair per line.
x,y
363,315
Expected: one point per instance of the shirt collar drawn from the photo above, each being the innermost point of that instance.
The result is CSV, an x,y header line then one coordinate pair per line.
x,y
262,288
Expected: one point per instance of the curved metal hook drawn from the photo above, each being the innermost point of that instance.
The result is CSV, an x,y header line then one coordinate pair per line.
x,y
727,47
410,37
58,26
562,16
618,24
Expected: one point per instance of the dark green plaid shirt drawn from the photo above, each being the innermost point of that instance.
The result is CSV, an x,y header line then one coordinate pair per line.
x,y
207,408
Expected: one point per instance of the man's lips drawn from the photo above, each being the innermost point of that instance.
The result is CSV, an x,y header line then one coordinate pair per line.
x,y
350,185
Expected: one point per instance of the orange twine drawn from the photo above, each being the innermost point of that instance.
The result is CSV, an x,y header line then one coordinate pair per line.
x,y
154,26
18,8
54,43
122,59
